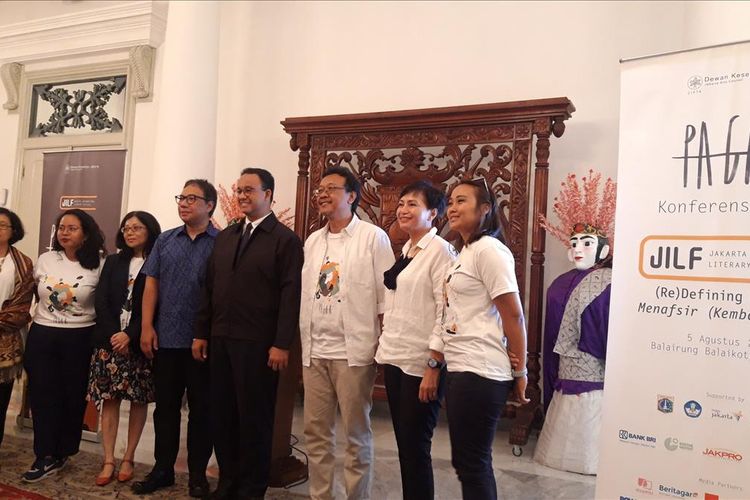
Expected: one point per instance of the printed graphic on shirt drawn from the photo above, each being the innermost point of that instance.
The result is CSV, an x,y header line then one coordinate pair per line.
x,y
127,307
449,316
329,285
62,297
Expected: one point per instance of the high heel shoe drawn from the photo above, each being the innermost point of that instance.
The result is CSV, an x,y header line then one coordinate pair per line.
x,y
123,478
104,481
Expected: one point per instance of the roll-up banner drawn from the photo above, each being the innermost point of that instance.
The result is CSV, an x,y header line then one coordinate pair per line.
x,y
676,421
88,180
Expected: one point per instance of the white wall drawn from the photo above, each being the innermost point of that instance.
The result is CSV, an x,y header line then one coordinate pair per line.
x,y
282,59
713,23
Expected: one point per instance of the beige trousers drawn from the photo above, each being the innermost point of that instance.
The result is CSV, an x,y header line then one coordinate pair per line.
x,y
328,384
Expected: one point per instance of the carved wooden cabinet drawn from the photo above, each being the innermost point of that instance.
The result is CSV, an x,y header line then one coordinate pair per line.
x,y
388,150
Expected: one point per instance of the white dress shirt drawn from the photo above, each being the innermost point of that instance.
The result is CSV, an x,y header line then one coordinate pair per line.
x,y
414,310
472,328
367,255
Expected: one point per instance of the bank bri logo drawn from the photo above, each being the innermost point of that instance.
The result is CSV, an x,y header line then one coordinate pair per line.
x,y
639,439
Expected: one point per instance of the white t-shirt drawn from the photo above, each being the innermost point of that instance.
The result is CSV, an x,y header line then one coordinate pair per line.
x,y
7,278
328,341
66,291
472,328
136,263
414,310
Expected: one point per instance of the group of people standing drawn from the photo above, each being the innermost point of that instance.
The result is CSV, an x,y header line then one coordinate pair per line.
x,y
214,314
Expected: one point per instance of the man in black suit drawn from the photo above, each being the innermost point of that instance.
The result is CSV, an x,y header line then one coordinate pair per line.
x,y
250,312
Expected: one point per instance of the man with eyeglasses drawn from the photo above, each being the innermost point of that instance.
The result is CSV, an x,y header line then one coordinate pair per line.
x,y
250,311
343,300
175,272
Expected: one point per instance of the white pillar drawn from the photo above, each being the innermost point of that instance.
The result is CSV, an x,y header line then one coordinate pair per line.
x,y
185,141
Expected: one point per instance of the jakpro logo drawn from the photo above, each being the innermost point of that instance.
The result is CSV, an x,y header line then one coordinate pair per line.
x,y
723,454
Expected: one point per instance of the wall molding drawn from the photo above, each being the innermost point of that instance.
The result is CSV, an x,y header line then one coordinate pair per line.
x,y
120,26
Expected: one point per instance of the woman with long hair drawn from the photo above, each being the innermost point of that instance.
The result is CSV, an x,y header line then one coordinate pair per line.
x,y
119,369
483,325
414,381
16,294
58,349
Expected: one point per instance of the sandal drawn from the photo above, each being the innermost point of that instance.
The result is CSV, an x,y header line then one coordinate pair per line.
x,y
123,478
105,480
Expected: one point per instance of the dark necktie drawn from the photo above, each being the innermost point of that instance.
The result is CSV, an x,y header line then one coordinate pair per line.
x,y
246,237
244,240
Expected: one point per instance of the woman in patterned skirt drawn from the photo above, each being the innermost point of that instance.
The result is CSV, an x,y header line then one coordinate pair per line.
x,y
119,370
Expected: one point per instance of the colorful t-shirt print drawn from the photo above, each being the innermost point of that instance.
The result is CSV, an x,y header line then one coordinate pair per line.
x,y
62,295
328,331
65,290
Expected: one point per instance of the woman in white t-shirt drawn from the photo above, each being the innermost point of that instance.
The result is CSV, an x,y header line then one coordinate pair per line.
x,y
58,348
119,369
483,321
414,381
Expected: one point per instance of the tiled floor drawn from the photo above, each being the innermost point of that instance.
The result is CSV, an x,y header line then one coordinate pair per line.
x,y
517,477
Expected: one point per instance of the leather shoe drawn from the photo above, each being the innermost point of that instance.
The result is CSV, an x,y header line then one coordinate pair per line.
x,y
225,491
154,480
199,488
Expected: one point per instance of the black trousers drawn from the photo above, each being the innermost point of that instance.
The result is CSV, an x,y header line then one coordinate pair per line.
x,y
175,371
5,391
243,397
413,424
474,405
57,362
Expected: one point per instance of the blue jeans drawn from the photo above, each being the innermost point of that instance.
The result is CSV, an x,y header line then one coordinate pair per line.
x,y
474,405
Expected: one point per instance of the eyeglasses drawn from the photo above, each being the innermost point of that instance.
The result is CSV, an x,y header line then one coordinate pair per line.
x,y
247,191
326,190
189,199
482,183
132,229
68,229
3,227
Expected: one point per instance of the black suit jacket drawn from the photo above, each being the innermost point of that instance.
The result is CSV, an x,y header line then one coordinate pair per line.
x,y
256,298
111,294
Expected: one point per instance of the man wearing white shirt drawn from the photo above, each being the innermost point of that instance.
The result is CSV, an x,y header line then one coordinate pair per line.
x,y
340,316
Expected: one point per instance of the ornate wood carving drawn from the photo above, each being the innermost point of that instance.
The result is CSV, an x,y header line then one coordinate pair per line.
x,y
444,145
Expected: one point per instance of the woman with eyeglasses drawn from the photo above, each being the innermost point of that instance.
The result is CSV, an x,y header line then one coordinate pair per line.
x,y
483,328
414,380
119,369
58,350
16,293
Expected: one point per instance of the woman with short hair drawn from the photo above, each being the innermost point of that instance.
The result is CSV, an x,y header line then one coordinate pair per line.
x,y
16,294
119,369
414,380
58,349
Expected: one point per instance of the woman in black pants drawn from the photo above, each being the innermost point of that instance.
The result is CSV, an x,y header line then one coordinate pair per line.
x,y
414,380
58,349
16,293
483,324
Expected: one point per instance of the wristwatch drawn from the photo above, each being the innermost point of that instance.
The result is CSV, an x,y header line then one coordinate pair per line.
x,y
435,363
519,373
